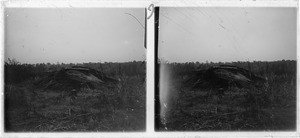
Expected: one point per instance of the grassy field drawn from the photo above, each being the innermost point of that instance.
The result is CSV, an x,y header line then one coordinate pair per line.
x,y
272,107
29,108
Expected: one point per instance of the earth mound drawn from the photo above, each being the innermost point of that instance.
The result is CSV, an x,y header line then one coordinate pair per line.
x,y
223,77
76,77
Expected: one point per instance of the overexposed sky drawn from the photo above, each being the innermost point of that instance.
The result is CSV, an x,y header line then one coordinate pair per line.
x,y
227,34
74,35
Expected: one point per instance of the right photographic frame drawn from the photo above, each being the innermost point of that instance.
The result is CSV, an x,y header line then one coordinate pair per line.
x,y
225,68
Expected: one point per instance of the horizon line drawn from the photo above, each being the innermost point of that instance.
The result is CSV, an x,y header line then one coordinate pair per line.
x,y
55,63
209,62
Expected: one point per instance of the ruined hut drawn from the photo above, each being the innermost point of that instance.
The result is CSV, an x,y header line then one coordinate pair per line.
x,y
75,78
222,77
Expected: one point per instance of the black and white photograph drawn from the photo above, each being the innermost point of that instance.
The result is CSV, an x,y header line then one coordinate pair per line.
x,y
74,69
226,69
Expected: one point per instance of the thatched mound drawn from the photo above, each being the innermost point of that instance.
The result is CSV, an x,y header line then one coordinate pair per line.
x,y
74,78
223,77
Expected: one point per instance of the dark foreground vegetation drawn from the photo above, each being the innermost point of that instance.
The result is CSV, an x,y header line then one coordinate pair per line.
x,y
270,107
33,106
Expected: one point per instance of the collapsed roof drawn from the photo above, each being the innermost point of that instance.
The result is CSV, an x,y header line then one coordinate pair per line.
x,y
76,77
223,76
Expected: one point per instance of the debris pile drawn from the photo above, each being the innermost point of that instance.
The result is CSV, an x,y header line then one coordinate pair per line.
x,y
222,77
76,77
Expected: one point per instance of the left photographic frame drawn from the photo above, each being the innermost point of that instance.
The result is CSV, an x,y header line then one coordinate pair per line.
x,y
74,69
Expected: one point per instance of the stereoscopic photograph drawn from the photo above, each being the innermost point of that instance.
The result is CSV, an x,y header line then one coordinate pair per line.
x,y
74,69
226,69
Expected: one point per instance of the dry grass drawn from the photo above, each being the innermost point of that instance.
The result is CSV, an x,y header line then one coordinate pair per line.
x,y
118,108
272,107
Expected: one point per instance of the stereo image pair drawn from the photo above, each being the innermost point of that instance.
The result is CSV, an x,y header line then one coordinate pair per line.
x,y
84,69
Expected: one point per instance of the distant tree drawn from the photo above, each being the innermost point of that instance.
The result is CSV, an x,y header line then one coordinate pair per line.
x,y
12,62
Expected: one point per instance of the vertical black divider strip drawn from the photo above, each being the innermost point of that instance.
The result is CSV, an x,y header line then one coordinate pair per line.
x,y
156,77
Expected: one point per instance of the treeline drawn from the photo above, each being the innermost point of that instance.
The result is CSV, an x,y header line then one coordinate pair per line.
x,y
15,72
287,67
